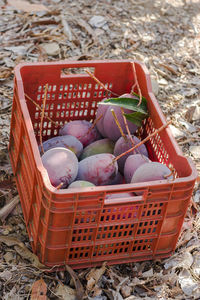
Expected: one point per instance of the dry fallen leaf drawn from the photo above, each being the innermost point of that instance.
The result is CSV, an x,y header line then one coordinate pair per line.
x,y
66,28
196,264
65,292
83,24
27,254
6,275
126,291
195,150
52,49
98,21
94,275
9,257
184,259
22,250
148,273
39,290
116,295
187,283
77,283
26,6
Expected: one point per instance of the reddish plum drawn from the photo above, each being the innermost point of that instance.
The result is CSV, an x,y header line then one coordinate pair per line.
x,y
101,110
110,127
61,165
66,141
122,145
97,147
150,172
132,163
98,169
81,129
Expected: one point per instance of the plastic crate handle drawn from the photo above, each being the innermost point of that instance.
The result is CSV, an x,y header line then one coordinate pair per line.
x,y
73,71
126,199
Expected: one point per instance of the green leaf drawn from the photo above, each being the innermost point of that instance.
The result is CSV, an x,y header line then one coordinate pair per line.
x,y
143,98
136,118
129,103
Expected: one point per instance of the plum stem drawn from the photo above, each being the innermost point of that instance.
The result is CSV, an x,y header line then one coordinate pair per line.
x,y
136,84
95,122
100,83
42,115
126,125
118,124
172,173
143,141
45,116
128,131
59,186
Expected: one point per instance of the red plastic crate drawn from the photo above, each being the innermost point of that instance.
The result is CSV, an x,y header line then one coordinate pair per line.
x,y
84,228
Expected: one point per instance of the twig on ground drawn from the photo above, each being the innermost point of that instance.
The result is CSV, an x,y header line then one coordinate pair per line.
x,y
7,209
169,68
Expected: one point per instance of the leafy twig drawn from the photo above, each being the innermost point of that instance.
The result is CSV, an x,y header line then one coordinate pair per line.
x,y
118,124
29,98
95,122
128,103
136,84
126,125
100,83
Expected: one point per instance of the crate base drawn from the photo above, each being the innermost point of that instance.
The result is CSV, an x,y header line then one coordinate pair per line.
x,y
74,266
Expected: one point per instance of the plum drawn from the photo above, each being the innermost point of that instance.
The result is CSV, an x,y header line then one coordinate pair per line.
x,y
122,145
81,129
151,171
66,141
132,163
110,127
101,110
107,125
80,183
61,165
98,169
100,146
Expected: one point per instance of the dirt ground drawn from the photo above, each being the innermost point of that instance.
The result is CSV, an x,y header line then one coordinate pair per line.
x,y
165,35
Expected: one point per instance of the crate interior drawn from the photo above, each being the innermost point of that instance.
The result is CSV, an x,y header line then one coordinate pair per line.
x,y
76,98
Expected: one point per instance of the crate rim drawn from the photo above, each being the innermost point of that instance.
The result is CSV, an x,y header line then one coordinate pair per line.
x,y
109,188
19,66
